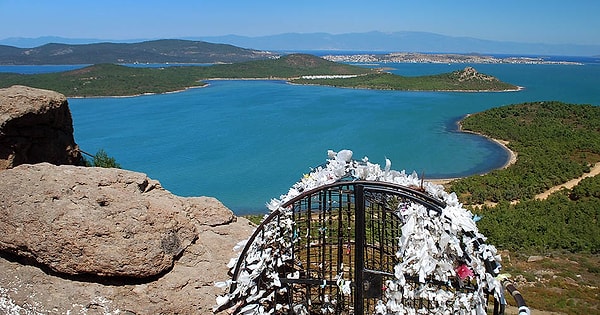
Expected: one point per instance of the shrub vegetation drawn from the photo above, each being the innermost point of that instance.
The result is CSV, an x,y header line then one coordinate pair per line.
x,y
566,221
387,81
101,159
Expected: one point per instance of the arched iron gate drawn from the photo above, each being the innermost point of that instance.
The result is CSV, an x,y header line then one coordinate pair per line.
x,y
338,243
342,248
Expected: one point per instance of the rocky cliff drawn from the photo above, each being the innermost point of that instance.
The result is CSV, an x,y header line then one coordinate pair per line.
x,y
35,126
89,240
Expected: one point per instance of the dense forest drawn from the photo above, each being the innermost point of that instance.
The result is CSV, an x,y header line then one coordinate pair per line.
x,y
567,220
555,142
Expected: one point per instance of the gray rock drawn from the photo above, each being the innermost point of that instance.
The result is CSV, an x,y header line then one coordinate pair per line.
x,y
35,126
535,258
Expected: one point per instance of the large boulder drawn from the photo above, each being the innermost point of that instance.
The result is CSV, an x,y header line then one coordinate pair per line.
x,y
98,221
189,288
35,126
108,241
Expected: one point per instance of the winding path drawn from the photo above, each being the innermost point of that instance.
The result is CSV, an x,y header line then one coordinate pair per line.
x,y
594,171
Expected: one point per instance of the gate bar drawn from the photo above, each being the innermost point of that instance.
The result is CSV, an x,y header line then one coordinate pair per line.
x,y
359,240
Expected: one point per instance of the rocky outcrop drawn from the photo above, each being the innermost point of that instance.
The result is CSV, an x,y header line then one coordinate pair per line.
x,y
106,241
35,126
469,73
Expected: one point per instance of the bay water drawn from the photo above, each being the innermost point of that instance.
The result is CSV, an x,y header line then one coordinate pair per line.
x,y
245,142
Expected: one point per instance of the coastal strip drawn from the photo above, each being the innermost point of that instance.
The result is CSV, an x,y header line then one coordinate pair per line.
x,y
503,143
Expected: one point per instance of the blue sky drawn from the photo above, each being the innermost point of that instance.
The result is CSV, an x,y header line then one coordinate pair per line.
x,y
532,21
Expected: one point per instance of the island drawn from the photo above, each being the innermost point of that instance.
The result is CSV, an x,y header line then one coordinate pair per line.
x,y
118,80
466,80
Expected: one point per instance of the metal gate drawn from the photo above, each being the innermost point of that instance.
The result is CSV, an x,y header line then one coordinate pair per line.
x,y
353,238
338,252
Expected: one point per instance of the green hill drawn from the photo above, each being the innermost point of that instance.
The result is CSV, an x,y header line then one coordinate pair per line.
x,y
555,142
286,67
106,80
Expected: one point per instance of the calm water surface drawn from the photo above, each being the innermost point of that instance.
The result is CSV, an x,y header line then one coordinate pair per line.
x,y
245,142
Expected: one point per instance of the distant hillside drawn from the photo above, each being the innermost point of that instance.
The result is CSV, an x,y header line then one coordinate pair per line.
x,y
29,42
158,51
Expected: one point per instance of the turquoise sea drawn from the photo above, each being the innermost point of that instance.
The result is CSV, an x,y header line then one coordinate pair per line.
x,y
245,142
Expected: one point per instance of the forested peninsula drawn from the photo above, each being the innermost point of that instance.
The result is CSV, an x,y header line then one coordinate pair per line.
x,y
555,142
119,80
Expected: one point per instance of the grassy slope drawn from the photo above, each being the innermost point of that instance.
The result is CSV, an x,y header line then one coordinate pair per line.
x,y
561,283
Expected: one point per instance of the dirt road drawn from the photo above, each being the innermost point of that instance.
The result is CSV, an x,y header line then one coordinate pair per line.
x,y
595,170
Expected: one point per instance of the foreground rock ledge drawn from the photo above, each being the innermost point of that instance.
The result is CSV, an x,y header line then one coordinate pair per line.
x,y
98,221
147,250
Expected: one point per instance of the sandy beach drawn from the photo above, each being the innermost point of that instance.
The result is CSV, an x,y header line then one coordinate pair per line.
x,y
512,155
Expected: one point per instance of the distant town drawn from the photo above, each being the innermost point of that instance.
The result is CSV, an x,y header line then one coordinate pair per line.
x,y
440,58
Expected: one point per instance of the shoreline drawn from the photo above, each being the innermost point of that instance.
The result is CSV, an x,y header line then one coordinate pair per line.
x,y
512,155
289,81
144,94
